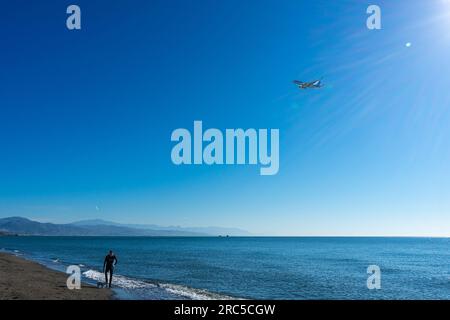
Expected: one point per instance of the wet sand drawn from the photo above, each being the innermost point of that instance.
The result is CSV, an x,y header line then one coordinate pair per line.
x,y
21,279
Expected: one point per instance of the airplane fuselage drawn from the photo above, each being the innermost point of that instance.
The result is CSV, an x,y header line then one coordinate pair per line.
x,y
308,85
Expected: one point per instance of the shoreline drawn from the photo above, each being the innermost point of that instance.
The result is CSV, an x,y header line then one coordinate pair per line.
x,y
22,279
121,284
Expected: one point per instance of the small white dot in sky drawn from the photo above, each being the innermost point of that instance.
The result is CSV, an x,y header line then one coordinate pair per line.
x,y
408,44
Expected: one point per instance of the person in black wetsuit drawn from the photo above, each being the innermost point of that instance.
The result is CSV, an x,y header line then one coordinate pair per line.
x,y
108,266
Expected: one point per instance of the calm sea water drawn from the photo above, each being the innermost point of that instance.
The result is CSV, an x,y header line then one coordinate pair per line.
x,y
260,268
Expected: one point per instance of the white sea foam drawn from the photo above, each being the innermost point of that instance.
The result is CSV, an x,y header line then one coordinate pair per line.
x,y
177,290
118,280
192,293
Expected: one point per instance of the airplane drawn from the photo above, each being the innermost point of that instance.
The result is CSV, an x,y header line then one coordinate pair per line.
x,y
316,84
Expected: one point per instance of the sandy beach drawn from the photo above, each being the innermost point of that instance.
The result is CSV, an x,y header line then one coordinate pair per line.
x,y
21,279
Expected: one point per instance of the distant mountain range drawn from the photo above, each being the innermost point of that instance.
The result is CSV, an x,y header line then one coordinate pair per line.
x,y
215,231
97,227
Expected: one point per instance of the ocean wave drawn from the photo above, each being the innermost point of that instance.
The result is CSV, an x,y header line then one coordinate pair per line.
x,y
118,280
174,289
192,293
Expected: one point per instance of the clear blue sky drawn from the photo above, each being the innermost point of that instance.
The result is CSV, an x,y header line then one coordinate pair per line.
x,y
86,116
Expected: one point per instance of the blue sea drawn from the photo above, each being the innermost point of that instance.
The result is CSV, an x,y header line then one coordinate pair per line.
x,y
251,267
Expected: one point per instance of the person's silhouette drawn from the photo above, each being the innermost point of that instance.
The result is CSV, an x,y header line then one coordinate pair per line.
x,y
108,266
